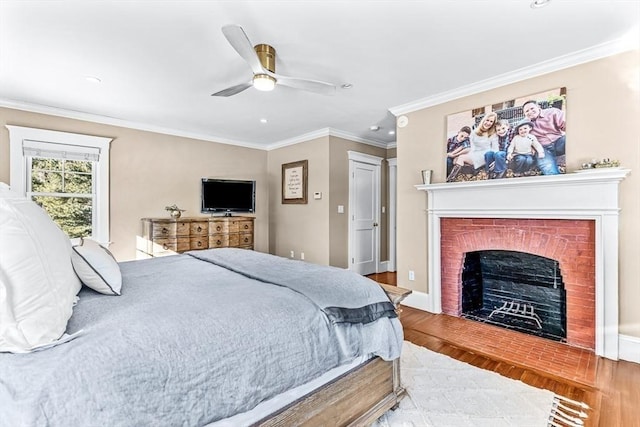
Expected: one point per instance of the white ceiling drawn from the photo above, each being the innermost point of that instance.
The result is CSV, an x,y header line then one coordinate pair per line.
x,y
159,61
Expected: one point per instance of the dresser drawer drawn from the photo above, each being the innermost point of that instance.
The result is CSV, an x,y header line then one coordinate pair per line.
x,y
219,241
199,228
218,227
199,242
164,229
246,239
245,226
183,244
182,228
234,226
161,245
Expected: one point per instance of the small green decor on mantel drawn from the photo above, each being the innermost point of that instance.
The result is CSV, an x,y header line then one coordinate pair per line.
x,y
174,211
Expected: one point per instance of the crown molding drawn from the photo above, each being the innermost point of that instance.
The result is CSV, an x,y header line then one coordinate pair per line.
x,y
299,139
354,138
95,118
105,120
321,133
593,53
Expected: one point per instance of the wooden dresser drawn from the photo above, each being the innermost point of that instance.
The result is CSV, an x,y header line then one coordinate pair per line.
x,y
168,236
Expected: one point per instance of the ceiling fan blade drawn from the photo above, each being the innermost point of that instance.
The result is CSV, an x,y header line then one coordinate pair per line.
x,y
241,43
316,86
233,89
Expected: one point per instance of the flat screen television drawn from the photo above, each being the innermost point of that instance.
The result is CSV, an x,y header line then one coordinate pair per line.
x,y
228,196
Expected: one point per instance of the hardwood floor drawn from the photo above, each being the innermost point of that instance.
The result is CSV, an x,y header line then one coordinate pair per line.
x,y
614,397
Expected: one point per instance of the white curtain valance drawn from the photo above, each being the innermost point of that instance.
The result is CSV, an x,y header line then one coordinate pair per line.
x,y
52,150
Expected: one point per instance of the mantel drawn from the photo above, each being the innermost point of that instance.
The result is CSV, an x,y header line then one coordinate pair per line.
x,y
540,196
589,194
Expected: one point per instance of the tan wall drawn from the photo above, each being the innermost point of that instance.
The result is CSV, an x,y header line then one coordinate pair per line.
x,y
300,227
603,109
304,228
339,186
150,171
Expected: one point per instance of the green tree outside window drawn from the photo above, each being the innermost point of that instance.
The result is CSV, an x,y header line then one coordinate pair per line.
x,y
64,188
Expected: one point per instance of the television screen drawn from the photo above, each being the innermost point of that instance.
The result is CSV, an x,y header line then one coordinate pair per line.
x,y
227,196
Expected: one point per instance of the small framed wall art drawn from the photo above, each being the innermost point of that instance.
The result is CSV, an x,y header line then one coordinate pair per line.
x,y
294,182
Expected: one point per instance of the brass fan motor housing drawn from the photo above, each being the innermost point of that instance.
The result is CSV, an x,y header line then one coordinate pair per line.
x,y
267,55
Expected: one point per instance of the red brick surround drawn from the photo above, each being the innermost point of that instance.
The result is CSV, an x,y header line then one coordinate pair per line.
x,y
570,242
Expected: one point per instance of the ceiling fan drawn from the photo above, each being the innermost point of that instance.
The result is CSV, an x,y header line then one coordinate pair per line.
x,y
262,60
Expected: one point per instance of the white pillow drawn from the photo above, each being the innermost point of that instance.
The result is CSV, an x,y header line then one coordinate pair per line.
x,y
6,193
96,267
37,283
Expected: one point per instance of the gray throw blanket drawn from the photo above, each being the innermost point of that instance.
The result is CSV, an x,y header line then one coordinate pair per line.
x,y
352,298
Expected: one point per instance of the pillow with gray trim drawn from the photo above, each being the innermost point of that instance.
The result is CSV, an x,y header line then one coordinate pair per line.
x,y
96,267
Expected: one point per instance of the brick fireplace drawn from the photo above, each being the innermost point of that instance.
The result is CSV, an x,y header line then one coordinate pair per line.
x,y
569,242
570,218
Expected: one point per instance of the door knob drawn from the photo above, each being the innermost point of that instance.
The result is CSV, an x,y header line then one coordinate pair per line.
x,y
375,224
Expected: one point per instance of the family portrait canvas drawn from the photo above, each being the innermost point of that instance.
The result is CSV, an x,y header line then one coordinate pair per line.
x,y
518,137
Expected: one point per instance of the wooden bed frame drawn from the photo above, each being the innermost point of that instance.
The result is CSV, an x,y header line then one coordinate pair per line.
x,y
357,398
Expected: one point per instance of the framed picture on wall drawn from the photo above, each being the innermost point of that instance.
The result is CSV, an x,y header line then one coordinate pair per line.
x,y
294,182
523,136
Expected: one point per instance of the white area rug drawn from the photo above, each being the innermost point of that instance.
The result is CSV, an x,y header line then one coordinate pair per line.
x,y
444,392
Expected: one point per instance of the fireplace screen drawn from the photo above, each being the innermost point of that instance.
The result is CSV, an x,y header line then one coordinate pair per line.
x,y
515,290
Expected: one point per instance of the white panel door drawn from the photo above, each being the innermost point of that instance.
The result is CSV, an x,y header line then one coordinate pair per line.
x,y
364,202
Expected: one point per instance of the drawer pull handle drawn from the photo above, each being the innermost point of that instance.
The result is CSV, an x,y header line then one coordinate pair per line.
x,y
246,226
199,244
199,228
165,230
165,247
218,228
218,242
246,240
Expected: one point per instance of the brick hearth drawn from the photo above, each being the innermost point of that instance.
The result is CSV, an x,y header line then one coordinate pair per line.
x,y
570,242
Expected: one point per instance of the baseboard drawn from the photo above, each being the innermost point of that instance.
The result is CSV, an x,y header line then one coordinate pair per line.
x,y
629,348
419,300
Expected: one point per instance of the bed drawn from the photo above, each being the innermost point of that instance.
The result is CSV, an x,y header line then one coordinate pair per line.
x,y
222,337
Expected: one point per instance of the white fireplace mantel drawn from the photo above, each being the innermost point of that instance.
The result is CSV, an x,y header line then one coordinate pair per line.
x,y
590,194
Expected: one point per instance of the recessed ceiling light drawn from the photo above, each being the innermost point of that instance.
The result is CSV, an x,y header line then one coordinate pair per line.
x,y
263,120
392,132
374,128
346,86
536,4
92,79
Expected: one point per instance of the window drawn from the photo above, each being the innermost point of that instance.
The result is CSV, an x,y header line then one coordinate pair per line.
x,y
65,173
64,189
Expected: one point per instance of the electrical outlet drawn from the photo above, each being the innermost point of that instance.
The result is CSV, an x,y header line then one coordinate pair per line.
x,y
301,255
293,255
412,275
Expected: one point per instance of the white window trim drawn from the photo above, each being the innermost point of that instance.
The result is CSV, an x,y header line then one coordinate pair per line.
x,y
18,165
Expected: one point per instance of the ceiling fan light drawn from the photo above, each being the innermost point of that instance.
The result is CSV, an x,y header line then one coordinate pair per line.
x,y
264,82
